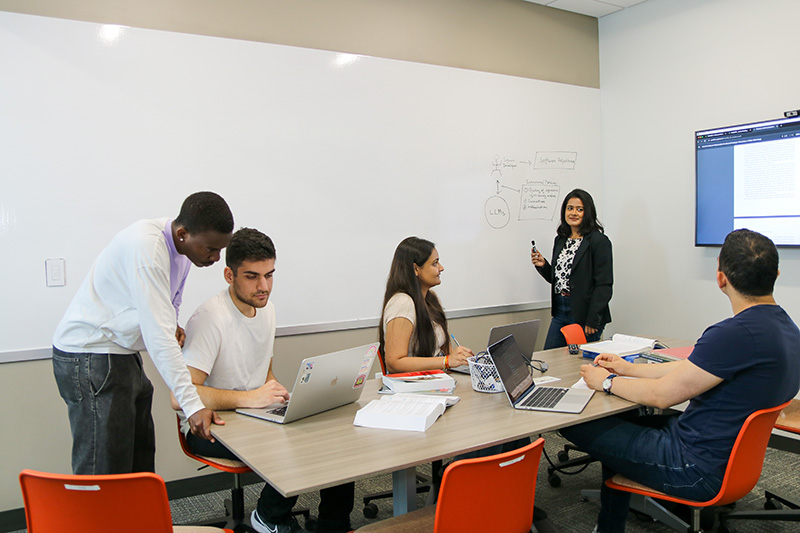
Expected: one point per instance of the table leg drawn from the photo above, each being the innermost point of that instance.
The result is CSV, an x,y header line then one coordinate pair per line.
x,y
404,490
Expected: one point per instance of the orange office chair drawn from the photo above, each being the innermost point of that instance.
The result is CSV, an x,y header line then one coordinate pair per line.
x,y
504,481
234,507
123,503
424,484
235,517
741,474
788,420
574,334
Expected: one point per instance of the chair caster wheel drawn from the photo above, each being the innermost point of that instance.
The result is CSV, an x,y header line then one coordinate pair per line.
x,y
563,456
370,510
772,505
554,480
310,524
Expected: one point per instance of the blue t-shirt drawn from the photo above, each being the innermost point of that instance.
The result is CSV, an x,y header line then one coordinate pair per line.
x,y
757,354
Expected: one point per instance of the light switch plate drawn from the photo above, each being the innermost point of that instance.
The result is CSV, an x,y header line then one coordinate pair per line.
x,y
54,271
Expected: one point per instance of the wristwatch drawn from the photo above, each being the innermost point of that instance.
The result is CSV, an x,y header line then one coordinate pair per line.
x,y
607,383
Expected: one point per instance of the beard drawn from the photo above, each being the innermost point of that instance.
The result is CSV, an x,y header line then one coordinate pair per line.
x,y
250,299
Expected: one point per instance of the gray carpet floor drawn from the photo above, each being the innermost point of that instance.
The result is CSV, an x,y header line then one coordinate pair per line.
x,y
566,511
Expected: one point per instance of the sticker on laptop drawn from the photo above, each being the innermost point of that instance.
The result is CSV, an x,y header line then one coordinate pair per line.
x,y
360,380
309,365
305,377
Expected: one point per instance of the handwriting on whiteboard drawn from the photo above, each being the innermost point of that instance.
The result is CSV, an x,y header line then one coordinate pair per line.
x,y
525,189
555,160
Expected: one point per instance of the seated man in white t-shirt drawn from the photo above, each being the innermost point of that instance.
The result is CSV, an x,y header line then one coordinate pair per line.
x,y
229,344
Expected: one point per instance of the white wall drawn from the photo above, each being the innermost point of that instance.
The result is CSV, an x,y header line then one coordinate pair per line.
x,y
504,36
667,69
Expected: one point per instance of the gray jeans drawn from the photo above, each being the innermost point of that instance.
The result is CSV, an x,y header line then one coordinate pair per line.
x,y
108,399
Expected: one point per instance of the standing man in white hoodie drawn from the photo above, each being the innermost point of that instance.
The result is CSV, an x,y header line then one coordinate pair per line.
x,y
128,303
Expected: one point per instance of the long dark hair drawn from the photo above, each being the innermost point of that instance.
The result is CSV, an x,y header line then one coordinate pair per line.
x,y
589,222
415,251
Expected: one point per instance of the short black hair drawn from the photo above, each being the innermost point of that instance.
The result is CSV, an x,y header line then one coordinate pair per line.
x,y
750,262
248,244
205,211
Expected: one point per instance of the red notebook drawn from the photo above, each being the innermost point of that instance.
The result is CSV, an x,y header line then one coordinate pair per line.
x,y
681,352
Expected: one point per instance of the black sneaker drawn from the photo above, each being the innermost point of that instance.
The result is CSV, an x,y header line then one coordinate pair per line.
x,y
263,526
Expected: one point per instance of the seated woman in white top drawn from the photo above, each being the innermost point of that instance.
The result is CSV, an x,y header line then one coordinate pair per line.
x,y
413,332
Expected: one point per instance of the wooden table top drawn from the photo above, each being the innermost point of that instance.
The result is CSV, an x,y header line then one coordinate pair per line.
x,y
327,449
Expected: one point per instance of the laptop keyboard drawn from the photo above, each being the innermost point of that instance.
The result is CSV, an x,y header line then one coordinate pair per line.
x,y
546,397
280,411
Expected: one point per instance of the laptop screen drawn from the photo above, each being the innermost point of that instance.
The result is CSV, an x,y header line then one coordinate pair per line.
x,y
511,366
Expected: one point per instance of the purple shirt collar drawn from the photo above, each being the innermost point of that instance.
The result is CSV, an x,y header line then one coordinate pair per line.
x,y
178,269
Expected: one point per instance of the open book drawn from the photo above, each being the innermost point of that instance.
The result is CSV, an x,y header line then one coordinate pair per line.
x,y
408,412
619,344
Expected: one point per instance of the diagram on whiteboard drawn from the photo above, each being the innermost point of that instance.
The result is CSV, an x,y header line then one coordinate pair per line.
x,y
522,190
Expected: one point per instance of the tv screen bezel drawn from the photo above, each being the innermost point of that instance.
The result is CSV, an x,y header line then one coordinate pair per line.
x,y
727,129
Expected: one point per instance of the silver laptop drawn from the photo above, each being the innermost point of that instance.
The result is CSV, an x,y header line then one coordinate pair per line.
x,y
323,382
525,333
523,393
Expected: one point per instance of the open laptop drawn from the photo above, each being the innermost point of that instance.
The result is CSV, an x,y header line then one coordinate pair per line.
x,y
323,382
519,386
525,333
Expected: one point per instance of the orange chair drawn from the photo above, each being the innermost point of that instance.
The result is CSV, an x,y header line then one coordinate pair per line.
x,y
788,420
235,517
574,334
123,503
234,507
741,474
473,490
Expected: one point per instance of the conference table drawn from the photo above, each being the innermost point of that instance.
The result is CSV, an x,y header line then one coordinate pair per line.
x,y
326,449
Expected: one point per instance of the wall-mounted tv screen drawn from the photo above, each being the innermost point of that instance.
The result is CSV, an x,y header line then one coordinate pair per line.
x,y
748,176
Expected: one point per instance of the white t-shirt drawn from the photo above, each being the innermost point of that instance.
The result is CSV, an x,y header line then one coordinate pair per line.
x,y
233,349
401,305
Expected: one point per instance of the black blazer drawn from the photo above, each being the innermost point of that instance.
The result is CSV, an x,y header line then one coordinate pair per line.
x,y
591,280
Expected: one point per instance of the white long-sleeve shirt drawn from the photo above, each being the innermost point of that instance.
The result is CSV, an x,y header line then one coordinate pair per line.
x,y
124,305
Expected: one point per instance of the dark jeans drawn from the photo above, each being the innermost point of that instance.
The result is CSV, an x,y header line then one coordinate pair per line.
x,y
643,450
335,506
108,400
562,316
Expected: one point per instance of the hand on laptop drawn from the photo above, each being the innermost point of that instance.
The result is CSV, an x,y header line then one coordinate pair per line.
x,y
267,394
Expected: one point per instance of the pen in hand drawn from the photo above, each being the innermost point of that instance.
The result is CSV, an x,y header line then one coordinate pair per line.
x,y
454,339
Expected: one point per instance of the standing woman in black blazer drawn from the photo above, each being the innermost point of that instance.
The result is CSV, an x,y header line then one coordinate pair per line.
x,y
583,274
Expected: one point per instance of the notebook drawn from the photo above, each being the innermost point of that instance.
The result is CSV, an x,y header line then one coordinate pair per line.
x,y
323,382
522,392
525,333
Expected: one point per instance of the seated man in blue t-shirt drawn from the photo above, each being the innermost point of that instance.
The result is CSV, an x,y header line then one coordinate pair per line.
x,y
745,363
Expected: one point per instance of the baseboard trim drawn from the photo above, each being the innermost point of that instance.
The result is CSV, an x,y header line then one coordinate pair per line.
x,y
14,519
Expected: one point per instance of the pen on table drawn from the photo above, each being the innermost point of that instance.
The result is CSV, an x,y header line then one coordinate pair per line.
x,y
454,339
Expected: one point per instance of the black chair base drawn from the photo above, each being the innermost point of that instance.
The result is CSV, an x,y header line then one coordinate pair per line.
x,y
773,511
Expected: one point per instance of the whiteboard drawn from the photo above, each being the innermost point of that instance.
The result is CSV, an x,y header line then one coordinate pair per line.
x,y
337,157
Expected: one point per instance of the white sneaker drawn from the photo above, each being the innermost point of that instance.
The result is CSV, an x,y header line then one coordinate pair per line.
x,y
263,526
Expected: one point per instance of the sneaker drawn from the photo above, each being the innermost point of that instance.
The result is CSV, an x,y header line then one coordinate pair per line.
x,y
263,526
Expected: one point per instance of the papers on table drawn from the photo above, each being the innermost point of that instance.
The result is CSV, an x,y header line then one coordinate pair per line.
x,y
408,412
